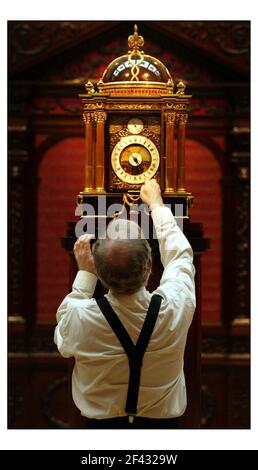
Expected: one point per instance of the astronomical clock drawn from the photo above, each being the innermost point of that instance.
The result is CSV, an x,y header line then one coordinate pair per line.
x,y
135,123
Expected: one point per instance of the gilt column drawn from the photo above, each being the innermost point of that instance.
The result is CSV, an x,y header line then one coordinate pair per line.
x,y
100,118
89,168
169,161
182,120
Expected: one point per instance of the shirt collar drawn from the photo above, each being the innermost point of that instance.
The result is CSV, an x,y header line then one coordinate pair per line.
x,y
125,299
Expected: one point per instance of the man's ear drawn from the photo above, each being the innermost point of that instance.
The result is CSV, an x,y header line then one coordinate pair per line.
x,y
149,265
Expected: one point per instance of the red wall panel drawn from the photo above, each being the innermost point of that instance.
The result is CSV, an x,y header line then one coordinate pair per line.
x,y
203,180
61,178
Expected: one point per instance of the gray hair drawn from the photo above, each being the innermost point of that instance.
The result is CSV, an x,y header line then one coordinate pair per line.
x,y
123,261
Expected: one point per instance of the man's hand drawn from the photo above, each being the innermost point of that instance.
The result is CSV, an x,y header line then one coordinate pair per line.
x,y
150,193
83,255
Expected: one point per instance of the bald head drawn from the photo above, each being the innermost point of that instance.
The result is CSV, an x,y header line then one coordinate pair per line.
x,y
118,253
123,259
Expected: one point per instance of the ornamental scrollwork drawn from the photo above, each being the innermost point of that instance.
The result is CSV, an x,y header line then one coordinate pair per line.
x,y
114,138
154,137
31,38
133,106
181,119
87,118
170,118
100,116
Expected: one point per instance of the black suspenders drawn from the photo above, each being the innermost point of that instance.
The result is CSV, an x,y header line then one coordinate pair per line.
x,y
136,352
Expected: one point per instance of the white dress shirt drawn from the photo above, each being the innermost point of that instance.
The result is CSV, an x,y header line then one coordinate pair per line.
x,y
101,372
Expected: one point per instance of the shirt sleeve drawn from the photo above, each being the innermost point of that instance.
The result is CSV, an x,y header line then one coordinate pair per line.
x,y
83,288
177,281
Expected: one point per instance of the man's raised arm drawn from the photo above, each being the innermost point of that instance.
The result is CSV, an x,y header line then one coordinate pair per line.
x,y
175,250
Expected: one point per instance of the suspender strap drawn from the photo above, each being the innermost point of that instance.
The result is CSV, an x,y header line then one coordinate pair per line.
x,y
135,362
136,352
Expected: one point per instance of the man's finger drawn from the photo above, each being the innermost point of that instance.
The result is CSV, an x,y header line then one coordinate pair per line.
x,y
86,237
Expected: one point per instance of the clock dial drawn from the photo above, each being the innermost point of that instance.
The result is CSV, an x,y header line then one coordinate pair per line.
x,y
135,126
134,159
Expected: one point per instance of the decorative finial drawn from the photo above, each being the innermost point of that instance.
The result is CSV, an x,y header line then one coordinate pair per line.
x,y
135,56
100,85
90,87
170,85
135,41
180,88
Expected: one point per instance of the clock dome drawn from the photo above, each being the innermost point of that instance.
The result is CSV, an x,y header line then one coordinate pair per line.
x,y
150,69
135,73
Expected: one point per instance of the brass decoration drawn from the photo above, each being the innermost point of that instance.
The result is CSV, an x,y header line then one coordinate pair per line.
x,y
170,85
135,56
126,106
133,106
180,88
118,185
114,128
153,136
93,106
100,85
170,117
131,199
181,119
135,41
87,117
175,106
90,88
137,88
116,137
100,116
154,129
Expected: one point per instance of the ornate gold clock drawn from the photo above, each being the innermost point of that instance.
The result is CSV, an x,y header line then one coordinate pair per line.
x,y
135,124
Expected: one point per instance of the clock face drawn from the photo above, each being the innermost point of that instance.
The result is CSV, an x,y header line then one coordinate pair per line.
x,y
135,125
135,158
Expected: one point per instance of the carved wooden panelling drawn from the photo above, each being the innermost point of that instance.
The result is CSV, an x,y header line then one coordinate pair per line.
x,y
228,41
31,40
